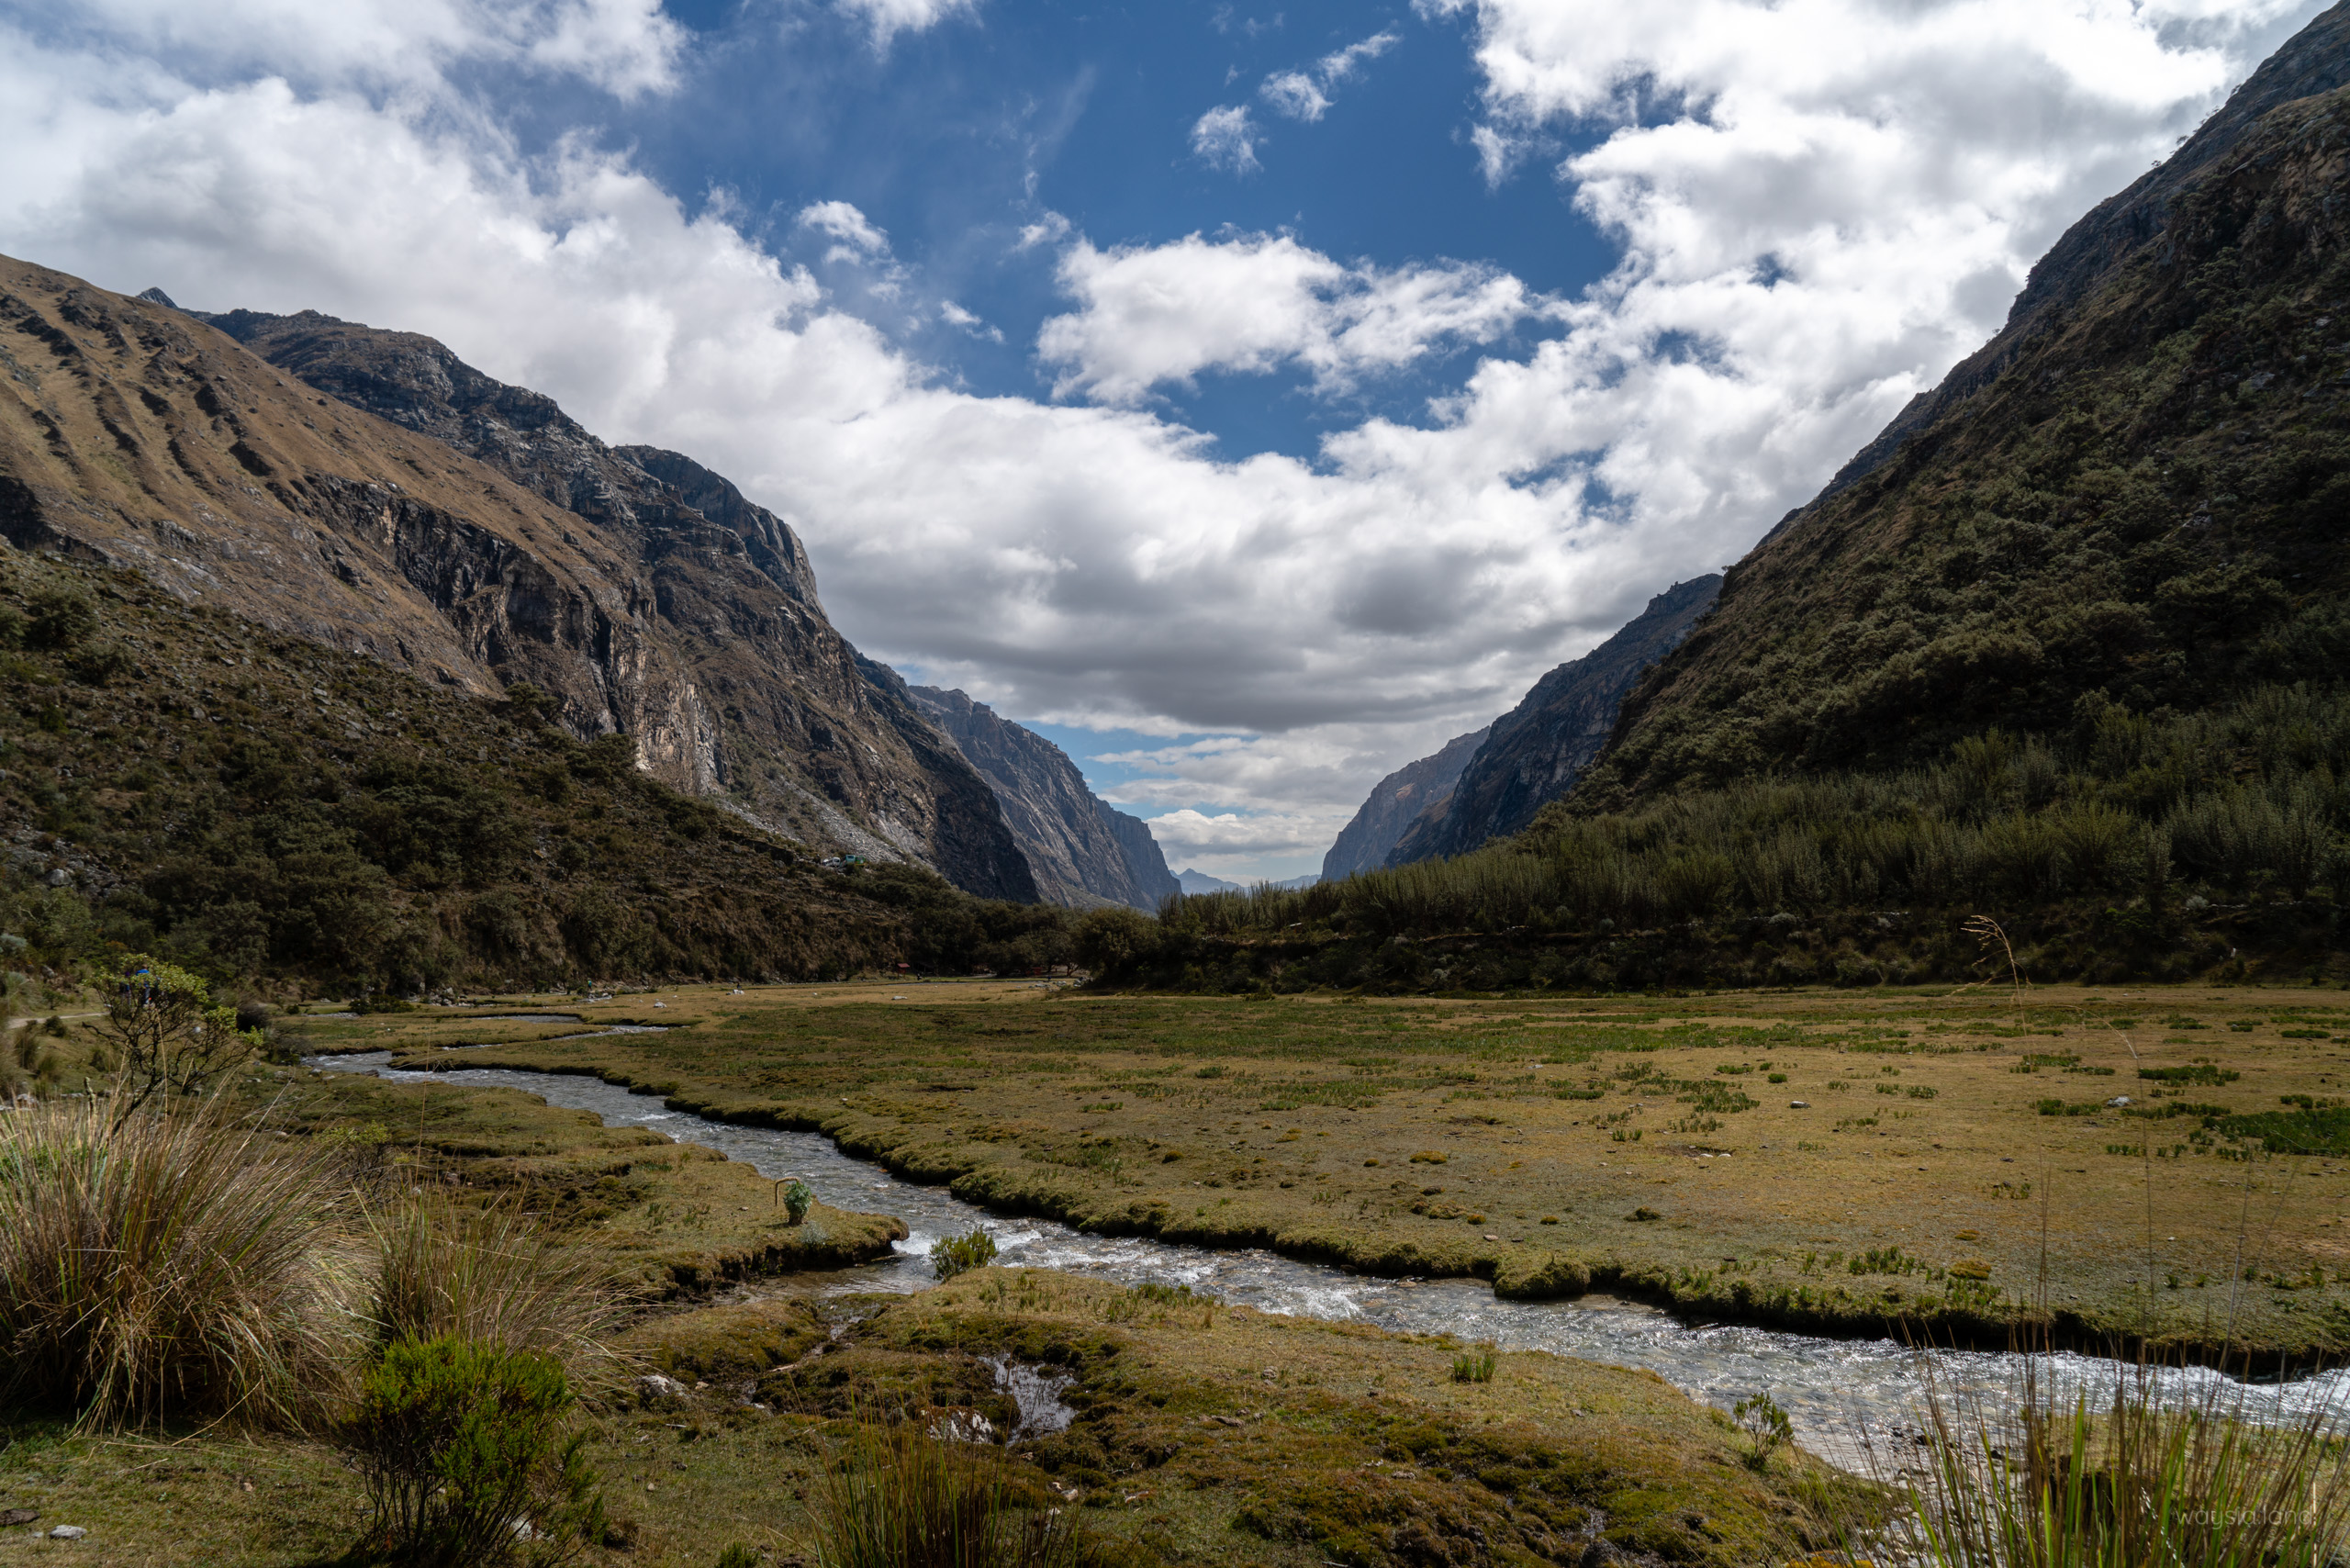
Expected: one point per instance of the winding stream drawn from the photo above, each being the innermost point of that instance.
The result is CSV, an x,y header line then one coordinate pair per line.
x,y
1839,1392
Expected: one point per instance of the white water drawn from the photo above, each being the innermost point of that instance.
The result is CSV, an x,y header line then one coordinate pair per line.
x,y
1839,1392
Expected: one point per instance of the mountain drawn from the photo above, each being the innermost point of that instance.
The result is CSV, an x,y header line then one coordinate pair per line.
x,y
2132,497
1534,753
369,491
1416,787
2118,230
1081,852
1194,881
295,819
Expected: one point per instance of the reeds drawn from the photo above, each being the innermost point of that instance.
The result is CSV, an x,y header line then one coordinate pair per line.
x,y
898,1498
2030,1477
169,1266
489,1274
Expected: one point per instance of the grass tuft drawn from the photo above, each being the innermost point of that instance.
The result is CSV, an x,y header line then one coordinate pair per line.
x,y
2026,1478
896,1498
172,1267
488,1275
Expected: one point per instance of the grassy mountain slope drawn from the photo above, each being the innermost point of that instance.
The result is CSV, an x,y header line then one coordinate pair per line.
x,y
2146,508
178,779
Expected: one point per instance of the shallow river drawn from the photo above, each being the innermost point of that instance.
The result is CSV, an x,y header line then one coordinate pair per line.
x,y
1837,1390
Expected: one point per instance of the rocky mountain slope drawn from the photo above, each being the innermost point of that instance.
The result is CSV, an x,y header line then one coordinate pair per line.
x,y
370,492
290,817
1394,803
1534,753
1081,852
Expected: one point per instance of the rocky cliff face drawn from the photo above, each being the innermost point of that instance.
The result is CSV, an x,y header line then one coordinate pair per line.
x,y
1410,792
1536,751
370,491
1081,852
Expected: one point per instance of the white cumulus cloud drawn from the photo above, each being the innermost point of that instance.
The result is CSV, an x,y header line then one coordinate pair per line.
x,y
845,223
625,45
1305,94
1152,315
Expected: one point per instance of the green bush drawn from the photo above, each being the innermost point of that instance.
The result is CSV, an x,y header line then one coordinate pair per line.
x,y
797,1197
1766,1428
952,1255
1476,1366
461,1447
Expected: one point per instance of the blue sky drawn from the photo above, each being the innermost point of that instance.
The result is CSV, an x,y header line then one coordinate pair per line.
x,y
961,135
1250,397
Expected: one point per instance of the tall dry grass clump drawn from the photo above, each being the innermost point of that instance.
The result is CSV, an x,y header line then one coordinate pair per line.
x,y
2031,1478
490,1275
899,1498
167,1266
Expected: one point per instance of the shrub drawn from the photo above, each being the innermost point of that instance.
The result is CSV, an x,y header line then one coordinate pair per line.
x,y
797,1197
459,1445
171,1038
1475,1366
952,1255
165,1266
488,1275
1766,1428
61,619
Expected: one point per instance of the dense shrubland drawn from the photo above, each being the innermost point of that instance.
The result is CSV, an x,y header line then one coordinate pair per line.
x,y
2144,827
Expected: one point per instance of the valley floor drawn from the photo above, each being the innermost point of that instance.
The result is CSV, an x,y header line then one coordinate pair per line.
x,y
1973,1164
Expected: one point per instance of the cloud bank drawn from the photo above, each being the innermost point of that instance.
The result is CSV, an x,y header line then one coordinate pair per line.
x,y
1819,204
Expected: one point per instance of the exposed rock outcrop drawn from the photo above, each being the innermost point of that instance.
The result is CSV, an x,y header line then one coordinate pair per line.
x,y
1537,749
369,490
1412,790
1081,852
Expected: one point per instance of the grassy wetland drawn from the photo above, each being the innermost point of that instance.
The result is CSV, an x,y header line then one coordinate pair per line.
x,y
716,1400
1956,1168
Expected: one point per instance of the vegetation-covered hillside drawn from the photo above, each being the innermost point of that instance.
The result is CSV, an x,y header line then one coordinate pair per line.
x,y
180,780
2073,657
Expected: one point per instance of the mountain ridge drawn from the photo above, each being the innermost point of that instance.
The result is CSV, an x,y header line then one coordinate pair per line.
x,y
481,539
1534,753
1395,801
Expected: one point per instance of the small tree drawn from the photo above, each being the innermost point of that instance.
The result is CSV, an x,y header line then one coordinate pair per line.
x,y
169,1038
1766,1428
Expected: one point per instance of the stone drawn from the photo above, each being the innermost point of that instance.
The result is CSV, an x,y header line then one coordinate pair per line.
x,y
655,1389
2118,1100
17,1517
68,1532
1798,1104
